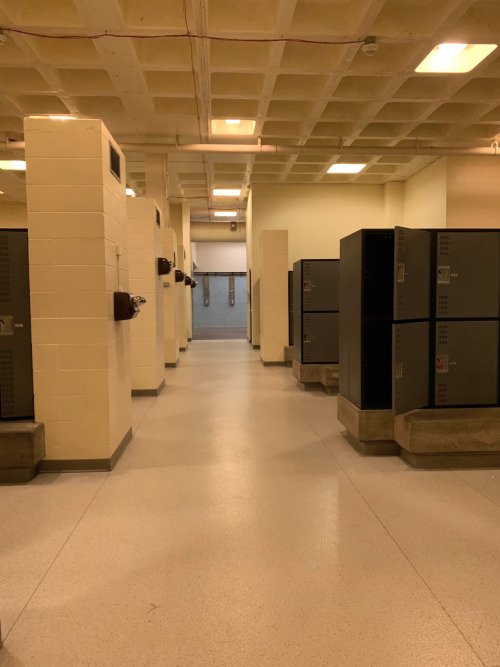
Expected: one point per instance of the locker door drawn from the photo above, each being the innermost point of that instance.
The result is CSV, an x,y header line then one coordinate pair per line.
x,y
466,363
411,274
320,333
16,370
350,297
320,285
410,379
467,274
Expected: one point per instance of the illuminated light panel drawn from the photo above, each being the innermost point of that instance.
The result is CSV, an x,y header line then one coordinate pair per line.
x,y
129,192
455,58
344,168
232,126
55,117
13,165
2,192
225,214
226,192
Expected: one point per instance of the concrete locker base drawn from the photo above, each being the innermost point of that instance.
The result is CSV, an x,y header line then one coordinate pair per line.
x,y
22,446
370,432
325,374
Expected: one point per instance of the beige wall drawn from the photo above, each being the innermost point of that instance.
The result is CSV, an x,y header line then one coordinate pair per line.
x,y
220,256
249,228
473,191
13,216
188,267
425,197
147,329
273,295
218,231
77,232
170,307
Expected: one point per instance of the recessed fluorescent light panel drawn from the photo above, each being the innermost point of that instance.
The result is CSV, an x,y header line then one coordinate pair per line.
x,y
225,214
129,192
232,126
13,165
226,192
455,58
343,168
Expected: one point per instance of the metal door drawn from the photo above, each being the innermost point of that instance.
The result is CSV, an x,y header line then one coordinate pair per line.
x,y
16,369
320,338
467,274
411,274
410,366
320,285
466,363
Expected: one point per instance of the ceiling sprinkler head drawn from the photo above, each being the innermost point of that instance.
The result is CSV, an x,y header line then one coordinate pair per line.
x,y
370,47
3,37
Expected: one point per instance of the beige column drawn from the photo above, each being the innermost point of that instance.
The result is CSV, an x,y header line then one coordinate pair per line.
x,y
78,258
179,221
170,308
273,295
147,330
182,301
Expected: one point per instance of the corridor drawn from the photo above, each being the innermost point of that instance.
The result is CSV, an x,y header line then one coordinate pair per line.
x,y
240,529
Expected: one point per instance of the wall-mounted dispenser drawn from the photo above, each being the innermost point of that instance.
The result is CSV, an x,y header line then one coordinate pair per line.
x,y
193,283
179,276
164,266
188,280
127,305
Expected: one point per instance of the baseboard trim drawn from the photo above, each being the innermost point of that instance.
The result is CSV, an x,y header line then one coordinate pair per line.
x,y
273,363
457,460
86,465
256,347
182,349
149,392
189,340
171,365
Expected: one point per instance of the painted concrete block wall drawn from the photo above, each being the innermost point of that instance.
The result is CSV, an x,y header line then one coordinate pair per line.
x,y
218,231
78,257
170,307
473,192
188,267
147,329
182,301
425,197
273,295
221,257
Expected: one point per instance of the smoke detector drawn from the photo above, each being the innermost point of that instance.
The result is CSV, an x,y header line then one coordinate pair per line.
x,y
370,46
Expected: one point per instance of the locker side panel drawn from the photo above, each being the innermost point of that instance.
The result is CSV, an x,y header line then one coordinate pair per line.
x,y
467,280
466,364
321,285
16,368
350,300
320,338
297,311
290,308
410,383
411,274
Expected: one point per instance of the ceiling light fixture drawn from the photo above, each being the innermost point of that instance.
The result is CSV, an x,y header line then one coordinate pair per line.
x,y
13,165
226,192
455,58
345,168
2,192
232,126
129,192
225,214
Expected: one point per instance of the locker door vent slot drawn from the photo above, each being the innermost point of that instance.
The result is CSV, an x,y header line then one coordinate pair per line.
x,y
441,393
7,408
443,305
444,245
5,287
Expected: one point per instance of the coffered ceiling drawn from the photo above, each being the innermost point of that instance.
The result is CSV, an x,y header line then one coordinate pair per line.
x,y
166,89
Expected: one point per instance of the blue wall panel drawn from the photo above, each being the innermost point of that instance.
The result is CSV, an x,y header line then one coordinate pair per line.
x,y
219,313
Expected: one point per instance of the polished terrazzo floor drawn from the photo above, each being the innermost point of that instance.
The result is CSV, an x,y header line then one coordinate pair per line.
x,y
239,529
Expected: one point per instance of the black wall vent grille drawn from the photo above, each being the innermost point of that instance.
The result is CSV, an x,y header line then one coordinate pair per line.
x,y
158,219
114,162
7,408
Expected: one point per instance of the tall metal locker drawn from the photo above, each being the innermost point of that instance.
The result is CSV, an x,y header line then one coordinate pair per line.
x,y
366,306
290,308
315,311
16,369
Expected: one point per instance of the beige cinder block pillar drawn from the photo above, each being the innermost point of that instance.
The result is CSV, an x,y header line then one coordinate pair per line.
x,y
147,330
170,308
273,295
77,230
182,302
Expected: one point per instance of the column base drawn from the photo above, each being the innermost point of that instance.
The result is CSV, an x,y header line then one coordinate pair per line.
x,y
149,392
171,365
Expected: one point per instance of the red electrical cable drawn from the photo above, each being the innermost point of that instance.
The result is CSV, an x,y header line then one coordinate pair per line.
x,y
189,35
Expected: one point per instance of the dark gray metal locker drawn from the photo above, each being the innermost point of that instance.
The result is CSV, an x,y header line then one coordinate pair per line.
x,y
466,363
290,308
467,274
16,369
412,256
410,379
350,298
297,311
320,280
320,338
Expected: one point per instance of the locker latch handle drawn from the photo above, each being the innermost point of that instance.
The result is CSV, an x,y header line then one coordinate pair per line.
x,y
400,273
399,370
307,285
307,338
442,363
444,275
